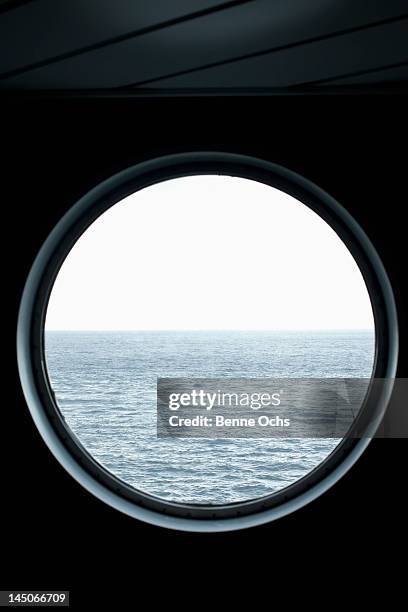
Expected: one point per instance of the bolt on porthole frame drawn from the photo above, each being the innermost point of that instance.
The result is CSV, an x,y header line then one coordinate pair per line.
x,y
41,401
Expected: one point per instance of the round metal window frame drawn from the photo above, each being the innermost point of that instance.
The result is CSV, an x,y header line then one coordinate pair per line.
x,y
39,396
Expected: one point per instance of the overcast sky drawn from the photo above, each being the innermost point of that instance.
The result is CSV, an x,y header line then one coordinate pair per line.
x,y
209,252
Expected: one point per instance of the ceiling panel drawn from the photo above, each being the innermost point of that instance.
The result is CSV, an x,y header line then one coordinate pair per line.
x,y
395,74
243,30
307,64
7,5
42,29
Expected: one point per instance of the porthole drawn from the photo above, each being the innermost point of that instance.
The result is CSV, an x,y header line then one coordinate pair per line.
x,y
199,266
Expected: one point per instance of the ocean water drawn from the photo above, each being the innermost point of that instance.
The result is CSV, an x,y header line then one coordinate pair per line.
x,y
105,386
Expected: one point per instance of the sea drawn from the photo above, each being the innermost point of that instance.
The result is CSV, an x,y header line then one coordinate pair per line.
x,y
105,387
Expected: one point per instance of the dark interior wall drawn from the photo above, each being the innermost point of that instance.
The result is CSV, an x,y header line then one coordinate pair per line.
x,y
53,151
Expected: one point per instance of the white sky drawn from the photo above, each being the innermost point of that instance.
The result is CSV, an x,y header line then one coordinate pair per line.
x,y
209,252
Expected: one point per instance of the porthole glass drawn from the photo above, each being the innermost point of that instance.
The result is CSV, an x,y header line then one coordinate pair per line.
x,y
199,275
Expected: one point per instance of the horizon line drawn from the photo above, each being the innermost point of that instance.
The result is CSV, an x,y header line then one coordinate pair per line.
x,y
294,329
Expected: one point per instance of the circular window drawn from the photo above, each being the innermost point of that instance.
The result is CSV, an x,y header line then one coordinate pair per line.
x,y
202,268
